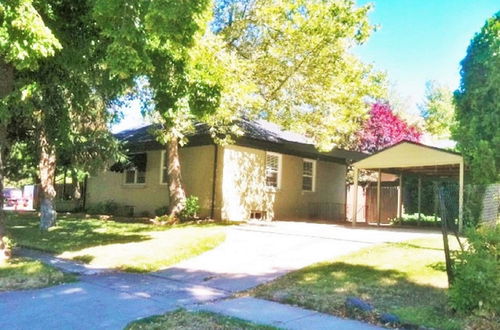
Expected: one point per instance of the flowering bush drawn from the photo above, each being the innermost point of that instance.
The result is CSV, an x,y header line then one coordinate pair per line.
x,y
384,129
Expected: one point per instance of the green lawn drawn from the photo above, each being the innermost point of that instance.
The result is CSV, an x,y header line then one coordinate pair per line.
x,y
181,319
406,279
107,244
22,273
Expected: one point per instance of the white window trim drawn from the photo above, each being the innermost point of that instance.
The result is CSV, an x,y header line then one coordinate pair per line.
x,y
313,174
135,174
280,170
162,160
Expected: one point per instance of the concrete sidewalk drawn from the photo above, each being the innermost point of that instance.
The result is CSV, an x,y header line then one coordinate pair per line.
x,y
280,315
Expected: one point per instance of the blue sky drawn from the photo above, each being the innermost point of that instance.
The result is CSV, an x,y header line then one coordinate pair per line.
x,y
417,40
420,40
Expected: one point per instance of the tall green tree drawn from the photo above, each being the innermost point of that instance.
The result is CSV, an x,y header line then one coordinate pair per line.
x,y
297,53
68,104
438,109
24,41
167,43
60,99
477,112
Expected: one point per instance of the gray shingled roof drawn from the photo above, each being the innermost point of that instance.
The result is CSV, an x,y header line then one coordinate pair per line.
x,y
259,134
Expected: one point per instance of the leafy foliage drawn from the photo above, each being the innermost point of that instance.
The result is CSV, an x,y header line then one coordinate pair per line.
x,y
384,129
412,220
24,37
191,208
296,60
438,109
167,44
108,207
161,211
478,115
476,288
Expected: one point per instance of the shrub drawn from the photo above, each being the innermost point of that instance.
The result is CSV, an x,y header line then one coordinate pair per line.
x,y
108,207
161,211
145,214
476,288
8,246
190,209
412,220
97,208
111,207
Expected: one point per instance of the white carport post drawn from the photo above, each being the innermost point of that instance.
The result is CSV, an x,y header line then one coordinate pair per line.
x,y
379,180
419,200
355,198
400,196
461,198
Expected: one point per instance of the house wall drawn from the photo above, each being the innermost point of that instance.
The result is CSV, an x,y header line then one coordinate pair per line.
x,y
243,189
197,171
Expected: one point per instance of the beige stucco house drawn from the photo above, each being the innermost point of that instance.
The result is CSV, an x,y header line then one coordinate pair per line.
x,y
266,174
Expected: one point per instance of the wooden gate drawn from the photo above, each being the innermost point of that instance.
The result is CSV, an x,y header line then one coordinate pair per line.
x,y
388,204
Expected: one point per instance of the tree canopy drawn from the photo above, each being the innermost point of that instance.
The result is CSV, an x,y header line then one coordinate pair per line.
x,y
478,117
297,58
438,110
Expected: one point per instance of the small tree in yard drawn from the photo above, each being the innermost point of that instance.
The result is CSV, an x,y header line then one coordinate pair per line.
x,y
383,129
24,41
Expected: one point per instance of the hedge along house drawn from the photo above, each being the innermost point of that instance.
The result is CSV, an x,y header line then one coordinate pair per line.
x,y
266,174
410,158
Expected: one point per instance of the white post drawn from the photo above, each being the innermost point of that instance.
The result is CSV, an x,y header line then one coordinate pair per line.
x,y
461,198
379,180
355,198
400,196
419,200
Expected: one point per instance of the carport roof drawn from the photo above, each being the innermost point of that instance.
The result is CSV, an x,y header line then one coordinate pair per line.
x,y
414,158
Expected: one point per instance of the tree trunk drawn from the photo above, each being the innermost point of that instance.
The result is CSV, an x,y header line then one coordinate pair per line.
x,y
6,86
3,139
77,190
47,166
176,193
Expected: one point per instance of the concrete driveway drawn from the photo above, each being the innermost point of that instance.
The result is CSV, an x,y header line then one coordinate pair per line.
x,y
262,251
252,254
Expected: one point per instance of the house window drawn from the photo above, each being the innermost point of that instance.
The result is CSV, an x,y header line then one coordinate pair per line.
x,y
273,170
135,168
308,175
163,168
134,176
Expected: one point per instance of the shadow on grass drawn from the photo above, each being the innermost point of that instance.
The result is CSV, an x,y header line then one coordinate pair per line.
x,y
414,246
72,234
325,287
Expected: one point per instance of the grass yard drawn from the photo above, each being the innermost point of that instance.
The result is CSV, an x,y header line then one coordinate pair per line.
x,y
406,279
182,319
107,244
22,273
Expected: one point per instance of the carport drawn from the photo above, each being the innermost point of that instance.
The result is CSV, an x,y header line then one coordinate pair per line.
x,y
410,158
